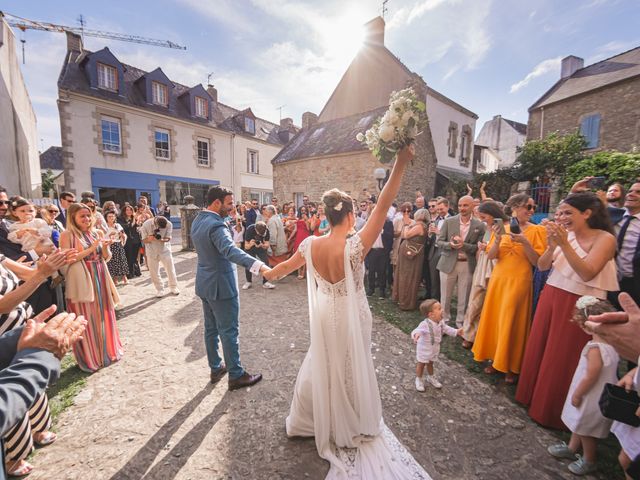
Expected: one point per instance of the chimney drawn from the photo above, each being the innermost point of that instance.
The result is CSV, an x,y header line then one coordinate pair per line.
x,y
213,91
309,120
570,65
286,123
374,32
74,42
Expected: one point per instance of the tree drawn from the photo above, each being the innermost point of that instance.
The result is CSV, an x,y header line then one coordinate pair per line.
x,y
48,183
618,167
550,156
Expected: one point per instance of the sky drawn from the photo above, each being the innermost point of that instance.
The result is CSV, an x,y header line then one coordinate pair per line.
x,y
491,56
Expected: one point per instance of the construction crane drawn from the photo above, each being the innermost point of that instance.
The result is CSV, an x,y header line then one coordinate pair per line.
x,y
26,24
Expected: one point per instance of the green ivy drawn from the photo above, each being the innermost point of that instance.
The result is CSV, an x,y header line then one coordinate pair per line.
x,y
615,166
550,156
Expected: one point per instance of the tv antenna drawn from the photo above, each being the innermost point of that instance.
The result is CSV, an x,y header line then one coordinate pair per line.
x,y
209,78
280,109
384,8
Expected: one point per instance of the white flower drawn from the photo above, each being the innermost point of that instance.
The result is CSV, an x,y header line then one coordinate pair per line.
x,y
405,118
338,207
586,301
360,137
386,132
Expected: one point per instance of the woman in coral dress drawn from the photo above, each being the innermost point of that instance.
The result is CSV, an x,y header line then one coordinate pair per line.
x,y
506,315
96,299
302,232
581,257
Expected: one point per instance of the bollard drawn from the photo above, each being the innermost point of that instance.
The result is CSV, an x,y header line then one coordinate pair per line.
x,y
188,212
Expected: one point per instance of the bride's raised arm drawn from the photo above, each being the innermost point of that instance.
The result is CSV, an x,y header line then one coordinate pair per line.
x,y
374,225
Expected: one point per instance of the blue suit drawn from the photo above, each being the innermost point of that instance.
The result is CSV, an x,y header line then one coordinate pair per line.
x,y
217,287
23,376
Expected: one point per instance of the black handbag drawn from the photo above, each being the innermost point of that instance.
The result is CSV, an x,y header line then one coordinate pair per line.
x,y
618,404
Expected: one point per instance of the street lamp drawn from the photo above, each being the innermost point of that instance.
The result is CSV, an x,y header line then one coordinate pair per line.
x,y
381,175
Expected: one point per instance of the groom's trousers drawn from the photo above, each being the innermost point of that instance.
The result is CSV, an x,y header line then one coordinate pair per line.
x,y
221,321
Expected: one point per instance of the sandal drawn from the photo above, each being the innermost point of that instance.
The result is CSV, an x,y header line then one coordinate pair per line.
x,y
510,379
300,277
42,439
467,344
489,370
21,468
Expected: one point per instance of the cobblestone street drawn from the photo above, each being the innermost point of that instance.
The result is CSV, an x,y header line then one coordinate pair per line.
x,y
154,414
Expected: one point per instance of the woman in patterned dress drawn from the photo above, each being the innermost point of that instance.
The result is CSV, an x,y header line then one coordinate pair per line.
x,y
117,265
132,245
14,312
100,345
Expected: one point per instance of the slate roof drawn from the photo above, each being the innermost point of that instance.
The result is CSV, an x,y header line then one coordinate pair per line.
x,y
332,137
606,72
521,128
51,159
73,78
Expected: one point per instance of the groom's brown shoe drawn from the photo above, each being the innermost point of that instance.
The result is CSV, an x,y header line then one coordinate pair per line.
x,y
246,380
216,375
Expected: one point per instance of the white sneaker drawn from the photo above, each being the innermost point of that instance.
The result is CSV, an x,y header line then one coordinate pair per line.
x,y
434,381
268,285
246,286
174,291
419,384
160,293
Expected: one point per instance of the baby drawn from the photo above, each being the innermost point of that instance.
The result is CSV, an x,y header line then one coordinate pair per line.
x,y
427,336
28,231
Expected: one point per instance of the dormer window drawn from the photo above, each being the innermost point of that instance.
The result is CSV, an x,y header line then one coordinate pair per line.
x,y
107,77
250,125
202,107
160,94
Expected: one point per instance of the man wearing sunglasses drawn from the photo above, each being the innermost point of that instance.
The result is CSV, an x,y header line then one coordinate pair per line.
x,y
66,199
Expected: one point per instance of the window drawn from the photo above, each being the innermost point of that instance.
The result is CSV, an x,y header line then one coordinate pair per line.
x,y
463,147
203,152
453,139
107,77
111,135
162,141
590,129
252,161
249,125
159,91
202,107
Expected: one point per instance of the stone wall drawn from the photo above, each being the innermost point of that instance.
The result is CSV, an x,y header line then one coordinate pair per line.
x,y
617,105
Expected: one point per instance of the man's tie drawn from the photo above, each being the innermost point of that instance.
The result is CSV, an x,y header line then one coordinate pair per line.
x,y
623,230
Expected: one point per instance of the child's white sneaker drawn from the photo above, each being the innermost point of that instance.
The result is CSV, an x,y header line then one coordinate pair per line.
x,y
247,286
434,381
419,384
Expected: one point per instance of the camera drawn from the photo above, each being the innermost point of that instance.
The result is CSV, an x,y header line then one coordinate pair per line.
x,y
156,234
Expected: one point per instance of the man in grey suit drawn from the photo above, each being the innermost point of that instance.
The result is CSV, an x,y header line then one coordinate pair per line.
x,y
458,243
217,286
29,360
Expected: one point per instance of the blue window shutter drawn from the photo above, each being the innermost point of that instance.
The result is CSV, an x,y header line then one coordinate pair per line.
x,y
590,129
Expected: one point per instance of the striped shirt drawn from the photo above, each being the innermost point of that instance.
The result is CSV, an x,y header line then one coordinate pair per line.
x,y
19,315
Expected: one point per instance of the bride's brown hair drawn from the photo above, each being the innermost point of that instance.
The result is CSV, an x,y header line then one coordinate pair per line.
x,y
337,205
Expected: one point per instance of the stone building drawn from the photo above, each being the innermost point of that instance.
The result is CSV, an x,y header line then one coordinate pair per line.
x,y
497,143
127,132
325,153
601,100
20,172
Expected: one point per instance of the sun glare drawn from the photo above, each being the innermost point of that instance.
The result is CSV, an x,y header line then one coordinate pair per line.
x,y
344,35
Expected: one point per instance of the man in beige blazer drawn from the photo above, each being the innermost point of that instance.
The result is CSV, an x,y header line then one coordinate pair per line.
x,y
458,244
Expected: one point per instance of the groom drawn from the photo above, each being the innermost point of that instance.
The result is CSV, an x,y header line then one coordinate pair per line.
x,y
217,286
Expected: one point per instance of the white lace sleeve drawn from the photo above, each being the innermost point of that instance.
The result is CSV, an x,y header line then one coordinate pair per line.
x,y
304,246
356,250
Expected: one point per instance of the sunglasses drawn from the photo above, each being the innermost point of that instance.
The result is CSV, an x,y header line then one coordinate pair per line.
x,y
406,210
4,202
530,207
53,211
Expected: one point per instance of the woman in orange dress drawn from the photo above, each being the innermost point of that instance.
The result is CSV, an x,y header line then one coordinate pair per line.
x,y
506,315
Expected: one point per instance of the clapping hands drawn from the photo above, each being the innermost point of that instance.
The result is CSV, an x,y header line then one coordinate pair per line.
x,y
557,235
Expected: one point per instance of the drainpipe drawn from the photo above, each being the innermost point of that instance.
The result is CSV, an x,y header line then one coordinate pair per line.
x,y
233,164
541,122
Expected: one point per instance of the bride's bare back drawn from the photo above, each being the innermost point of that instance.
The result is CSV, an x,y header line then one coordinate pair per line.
x,y
327,254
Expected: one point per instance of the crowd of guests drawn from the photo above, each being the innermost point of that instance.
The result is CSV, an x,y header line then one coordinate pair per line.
x,y
71,256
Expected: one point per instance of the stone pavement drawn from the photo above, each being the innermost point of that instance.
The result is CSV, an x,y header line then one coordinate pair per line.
x,y
153,415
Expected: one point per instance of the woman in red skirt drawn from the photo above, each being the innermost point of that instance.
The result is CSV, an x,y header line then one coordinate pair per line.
x,y
580,253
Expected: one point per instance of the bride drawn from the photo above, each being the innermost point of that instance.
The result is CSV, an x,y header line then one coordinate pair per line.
x,y
336,397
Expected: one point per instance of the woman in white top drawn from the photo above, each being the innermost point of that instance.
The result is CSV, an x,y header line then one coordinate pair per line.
x,y
336,398
581,250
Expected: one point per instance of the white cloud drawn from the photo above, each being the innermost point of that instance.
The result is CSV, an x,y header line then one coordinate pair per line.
x,y
610,49
544,67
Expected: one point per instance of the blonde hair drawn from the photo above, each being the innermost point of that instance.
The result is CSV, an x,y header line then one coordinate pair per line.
x,y
72,226
337,205
422,215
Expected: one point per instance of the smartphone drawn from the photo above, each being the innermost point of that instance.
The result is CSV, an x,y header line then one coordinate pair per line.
x,y
597,183
500,224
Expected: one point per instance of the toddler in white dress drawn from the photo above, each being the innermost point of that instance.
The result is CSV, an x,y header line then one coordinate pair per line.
x,y
427,336
581,413
30,232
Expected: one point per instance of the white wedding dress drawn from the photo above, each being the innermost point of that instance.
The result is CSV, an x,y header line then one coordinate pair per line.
x,y
336,397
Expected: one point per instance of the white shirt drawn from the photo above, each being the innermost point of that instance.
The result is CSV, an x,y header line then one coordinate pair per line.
x,y
624,259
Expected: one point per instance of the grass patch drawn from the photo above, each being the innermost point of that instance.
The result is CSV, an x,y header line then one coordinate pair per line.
x,y
608,466
72,380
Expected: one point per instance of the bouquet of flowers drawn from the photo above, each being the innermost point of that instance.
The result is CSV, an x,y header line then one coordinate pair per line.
x,y
397,128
